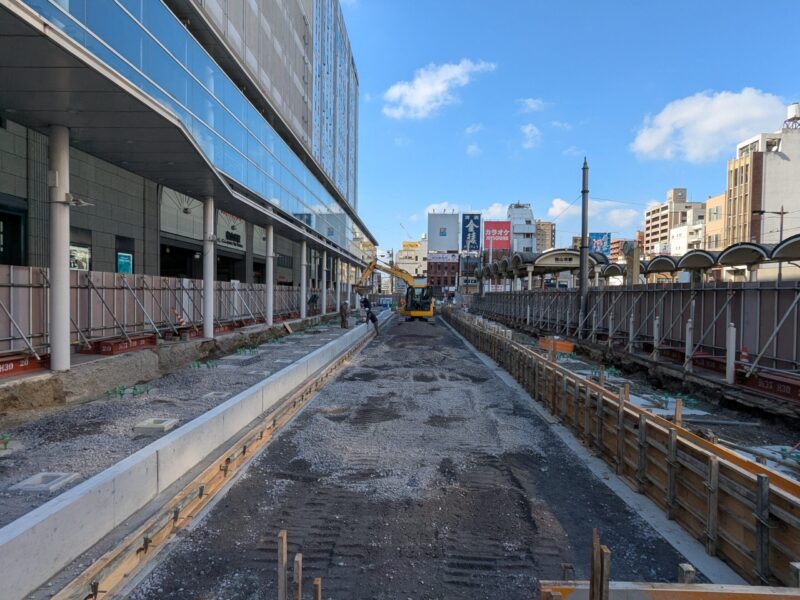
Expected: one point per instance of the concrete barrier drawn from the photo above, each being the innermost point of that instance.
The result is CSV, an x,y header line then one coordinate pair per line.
x,y
39,544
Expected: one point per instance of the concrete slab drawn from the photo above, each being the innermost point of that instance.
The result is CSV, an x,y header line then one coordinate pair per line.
x,y
154,425
45,482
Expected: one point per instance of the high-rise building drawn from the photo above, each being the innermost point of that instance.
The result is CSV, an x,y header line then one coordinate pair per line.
x,y
545,233
251,104
763,177
523,228
660,219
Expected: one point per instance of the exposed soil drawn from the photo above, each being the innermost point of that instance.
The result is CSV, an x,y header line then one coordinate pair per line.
x,y
394,488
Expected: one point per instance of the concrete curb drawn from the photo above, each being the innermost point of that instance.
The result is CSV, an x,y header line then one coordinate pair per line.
x,y
42,542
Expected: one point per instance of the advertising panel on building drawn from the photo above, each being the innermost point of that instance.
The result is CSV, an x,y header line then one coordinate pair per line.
x,y
471,232
497,235
434,257
600,243
442,232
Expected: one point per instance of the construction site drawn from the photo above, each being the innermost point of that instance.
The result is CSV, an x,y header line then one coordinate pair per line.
x,y
216,384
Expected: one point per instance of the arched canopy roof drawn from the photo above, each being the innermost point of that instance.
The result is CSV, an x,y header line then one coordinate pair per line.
x,y
743,253
495,267
520,260
504,265
788,249
612,270
642,267
599,258
663,263
558,259
697,259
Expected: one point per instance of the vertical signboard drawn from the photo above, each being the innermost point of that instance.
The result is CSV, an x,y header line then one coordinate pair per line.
x,y
442,232
471,232
497,235
600,243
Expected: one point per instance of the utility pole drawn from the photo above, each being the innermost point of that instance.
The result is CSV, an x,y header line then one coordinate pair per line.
x,y
583,284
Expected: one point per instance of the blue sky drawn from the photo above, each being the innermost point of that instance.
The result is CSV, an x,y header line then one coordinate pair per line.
x,y
478,104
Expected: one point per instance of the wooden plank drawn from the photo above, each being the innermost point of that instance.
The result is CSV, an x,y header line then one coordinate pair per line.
x,y
596,566
317,588
605,572
282,560
672,473
712,521
298,576
642,466
620,432
761,515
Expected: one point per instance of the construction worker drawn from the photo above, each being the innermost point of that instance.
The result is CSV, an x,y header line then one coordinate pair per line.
x,y
344,310
367,306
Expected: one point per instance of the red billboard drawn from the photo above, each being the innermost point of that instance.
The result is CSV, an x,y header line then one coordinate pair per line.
x,y
497,235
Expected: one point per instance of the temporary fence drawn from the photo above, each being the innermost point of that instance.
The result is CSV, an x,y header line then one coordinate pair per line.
x,y
690,320
745,513
107,305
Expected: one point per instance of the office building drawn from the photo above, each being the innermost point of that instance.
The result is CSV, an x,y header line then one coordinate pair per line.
x,y
523,228
413,259
716,218
545,233
691,234
443,229
764,176
443,272
191,139
660,219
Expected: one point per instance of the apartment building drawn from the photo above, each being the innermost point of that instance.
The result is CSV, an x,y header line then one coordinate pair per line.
x,y
545,233
661,219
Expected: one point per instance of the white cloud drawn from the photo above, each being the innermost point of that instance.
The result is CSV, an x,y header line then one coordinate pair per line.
x,y
604,215
495,211
473,150
706,126
474,128
432,87
561,208
531,104
561,125
572,151
530,136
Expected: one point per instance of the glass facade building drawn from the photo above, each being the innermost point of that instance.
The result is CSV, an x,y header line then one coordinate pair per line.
x,y
145,42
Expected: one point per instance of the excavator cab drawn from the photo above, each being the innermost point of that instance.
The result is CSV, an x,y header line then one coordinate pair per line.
x,y
419,303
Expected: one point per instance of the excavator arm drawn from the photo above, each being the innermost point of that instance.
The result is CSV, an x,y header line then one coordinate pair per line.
x,y
361,286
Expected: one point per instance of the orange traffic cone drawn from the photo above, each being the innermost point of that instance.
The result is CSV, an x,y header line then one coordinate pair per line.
x,y
744,356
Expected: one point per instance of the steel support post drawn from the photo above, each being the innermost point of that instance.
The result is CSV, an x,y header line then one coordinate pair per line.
x,y
58,176
687,365
303,278
656,337
324,286
730,354
209,293
270,274
338,283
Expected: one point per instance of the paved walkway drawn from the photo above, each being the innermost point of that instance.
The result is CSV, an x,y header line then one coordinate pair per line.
x,y
87,438
417,473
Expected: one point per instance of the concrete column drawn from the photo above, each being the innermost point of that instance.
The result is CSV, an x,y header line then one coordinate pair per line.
x,y
687,365
270,273
58,176
338,283
303,278
209,257
324,286
730,354
530,278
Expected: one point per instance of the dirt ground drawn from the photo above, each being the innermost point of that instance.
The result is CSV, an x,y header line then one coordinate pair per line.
x,y
417,473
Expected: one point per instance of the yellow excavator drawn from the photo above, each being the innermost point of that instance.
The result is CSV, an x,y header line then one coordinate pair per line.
x,y
418,303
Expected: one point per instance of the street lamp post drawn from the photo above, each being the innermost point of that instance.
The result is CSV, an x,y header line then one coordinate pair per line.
x,y
780,234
